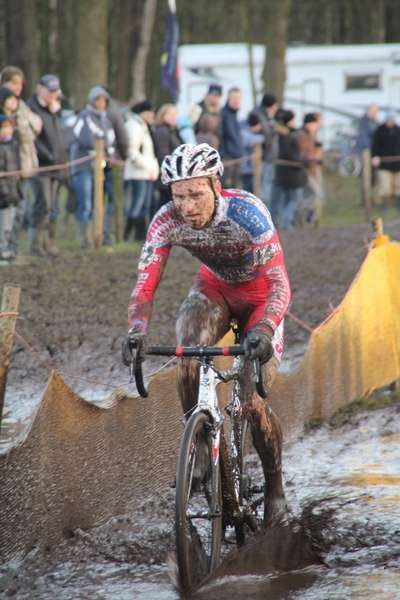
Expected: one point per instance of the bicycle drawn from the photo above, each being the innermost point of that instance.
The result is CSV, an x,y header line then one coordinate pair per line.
x,y
213,491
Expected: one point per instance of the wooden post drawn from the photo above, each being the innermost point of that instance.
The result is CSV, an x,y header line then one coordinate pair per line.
x,y
257,170
118,205
98,193
9,304
366,181
377,227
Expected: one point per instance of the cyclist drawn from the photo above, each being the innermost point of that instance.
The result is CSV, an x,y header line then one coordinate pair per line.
x,y
242,275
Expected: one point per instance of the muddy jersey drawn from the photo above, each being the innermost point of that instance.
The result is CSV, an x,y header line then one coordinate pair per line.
x,y
239,245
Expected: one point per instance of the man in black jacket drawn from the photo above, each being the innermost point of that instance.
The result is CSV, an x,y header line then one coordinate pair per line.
x,y
290,178
386,143
51,151
231,139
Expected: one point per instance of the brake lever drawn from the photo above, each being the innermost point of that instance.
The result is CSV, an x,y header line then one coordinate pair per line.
x,y
257,373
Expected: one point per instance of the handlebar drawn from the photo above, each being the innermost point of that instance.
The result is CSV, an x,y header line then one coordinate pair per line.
x,y
192,352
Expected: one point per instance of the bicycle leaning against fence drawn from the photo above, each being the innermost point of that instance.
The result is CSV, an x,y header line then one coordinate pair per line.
x,y
217,491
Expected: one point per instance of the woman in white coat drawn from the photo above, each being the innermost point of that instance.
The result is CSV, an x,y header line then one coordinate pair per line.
x,y
141,168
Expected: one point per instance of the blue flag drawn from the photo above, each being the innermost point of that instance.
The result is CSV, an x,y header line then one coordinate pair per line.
x,y
169,59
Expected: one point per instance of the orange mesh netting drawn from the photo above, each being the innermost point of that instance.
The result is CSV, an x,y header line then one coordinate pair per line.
x,y
79,463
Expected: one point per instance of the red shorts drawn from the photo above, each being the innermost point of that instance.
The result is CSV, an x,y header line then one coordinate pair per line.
x,y
246,301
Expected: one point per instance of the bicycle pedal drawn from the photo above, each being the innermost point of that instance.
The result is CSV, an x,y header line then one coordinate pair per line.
x,y
172,485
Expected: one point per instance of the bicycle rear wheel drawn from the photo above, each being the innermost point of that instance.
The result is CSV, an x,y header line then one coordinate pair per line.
x,y
198,532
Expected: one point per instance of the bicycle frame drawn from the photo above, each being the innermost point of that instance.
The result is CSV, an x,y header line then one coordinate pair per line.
x,y
210,378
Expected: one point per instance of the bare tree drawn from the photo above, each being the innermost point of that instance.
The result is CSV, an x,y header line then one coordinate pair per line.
x,y
276,21
88,49
139,65
23,39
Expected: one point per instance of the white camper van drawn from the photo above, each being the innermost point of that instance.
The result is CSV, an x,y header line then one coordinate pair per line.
x,y
339,81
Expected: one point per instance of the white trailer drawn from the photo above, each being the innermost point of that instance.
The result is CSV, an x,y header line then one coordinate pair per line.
x,y
339,81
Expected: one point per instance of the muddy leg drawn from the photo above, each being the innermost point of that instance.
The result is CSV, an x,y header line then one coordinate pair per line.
x,y
200,321
267,439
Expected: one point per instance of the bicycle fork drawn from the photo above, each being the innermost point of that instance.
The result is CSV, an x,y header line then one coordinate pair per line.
x,y
208,402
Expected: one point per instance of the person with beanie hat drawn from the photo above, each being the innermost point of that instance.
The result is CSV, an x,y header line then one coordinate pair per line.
x,y
28,127
92,124
141,167
45,102
209,107
10,192
250,131
269,129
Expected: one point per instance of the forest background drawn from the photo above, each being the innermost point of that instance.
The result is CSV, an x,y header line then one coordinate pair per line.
x,y
119,43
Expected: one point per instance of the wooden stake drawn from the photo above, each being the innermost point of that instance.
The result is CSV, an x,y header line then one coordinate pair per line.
x,y
118,205
366,181
257,170
377,227
98,193
9,304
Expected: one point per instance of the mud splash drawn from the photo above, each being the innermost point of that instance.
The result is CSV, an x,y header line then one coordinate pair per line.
x,y
343,489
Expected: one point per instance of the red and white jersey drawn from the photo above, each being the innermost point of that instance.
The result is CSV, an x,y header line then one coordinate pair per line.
x,y
239,245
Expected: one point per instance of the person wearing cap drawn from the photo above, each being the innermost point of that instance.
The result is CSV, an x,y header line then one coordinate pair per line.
x,y
141,165
385,144
266,111
46,103
28,125
289,180
250,130
92,124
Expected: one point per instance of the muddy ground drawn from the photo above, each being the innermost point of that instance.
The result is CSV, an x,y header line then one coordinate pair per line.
x,y
73,308
73,313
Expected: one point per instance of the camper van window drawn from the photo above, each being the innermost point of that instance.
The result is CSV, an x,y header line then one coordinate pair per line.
x,y
363,82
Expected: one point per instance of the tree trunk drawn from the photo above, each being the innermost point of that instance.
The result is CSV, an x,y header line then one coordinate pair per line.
x,y
139,66
23,40
89,49
276,19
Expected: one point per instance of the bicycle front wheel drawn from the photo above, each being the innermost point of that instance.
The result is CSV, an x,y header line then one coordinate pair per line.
x,y
198,530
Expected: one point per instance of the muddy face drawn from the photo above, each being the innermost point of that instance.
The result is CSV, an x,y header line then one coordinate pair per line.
x,y
195,200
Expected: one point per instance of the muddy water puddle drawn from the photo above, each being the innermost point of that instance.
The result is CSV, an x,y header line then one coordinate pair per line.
x,y
343,489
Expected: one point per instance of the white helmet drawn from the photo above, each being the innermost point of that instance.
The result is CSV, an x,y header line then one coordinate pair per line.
x,y
189,161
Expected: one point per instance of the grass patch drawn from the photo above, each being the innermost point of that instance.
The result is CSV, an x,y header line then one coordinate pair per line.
x,y
343,203
344,414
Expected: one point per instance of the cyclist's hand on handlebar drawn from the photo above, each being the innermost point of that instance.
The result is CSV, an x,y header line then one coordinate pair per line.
x,y
134,346
259,345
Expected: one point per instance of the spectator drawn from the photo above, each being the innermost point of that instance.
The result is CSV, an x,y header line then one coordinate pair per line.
x,y
186,130
309,148
141,166
92,124
231,141
368,126
50,148
267,111
10,192
385,143
208,131
121,153
210,105
28,126
251,136
289,180
166,138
